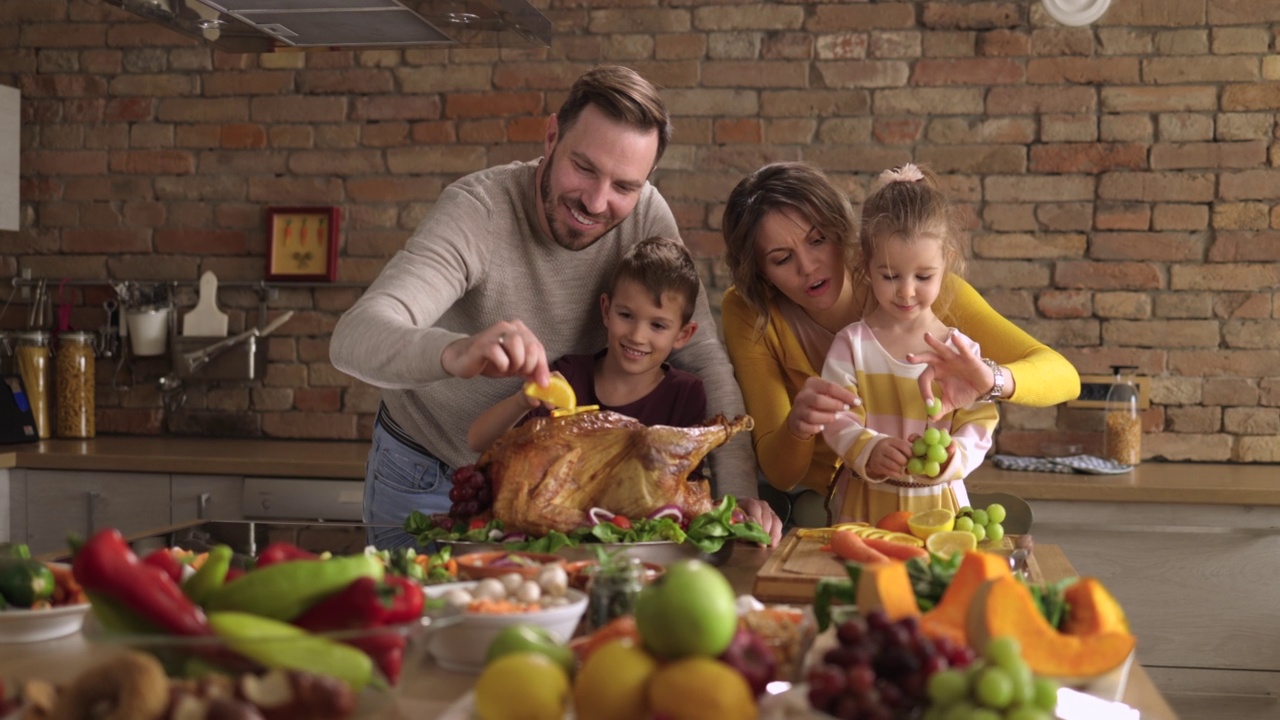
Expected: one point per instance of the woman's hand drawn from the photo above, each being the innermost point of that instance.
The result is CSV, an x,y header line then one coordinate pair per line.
x,y
504,349
962,375
888,458
816,405
759,511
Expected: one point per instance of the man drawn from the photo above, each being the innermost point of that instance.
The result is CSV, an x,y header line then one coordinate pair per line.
x,y
506,270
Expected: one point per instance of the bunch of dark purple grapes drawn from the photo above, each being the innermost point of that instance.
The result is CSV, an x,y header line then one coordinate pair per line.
x,y
472,493
880,668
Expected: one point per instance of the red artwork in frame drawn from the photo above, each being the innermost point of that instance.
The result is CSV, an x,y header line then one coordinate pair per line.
x,y
302,243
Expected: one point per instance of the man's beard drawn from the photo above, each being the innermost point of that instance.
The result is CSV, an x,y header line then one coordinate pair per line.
x,y
569,238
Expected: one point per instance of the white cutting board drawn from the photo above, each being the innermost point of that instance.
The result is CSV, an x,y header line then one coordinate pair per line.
x,y
206,320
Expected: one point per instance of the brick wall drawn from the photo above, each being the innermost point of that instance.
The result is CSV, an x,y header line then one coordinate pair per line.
x,y
1121,177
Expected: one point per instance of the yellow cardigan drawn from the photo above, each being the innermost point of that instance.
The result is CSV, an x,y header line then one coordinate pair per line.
x,y
771,368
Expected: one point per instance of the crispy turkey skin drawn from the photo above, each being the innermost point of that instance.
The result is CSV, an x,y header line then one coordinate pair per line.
x,y
549,472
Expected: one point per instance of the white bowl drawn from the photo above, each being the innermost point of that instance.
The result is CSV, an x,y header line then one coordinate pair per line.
x,y
460,643
25,626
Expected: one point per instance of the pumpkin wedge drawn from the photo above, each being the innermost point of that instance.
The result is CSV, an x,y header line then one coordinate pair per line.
x,y
1004,607
1092,609
950,616
887,587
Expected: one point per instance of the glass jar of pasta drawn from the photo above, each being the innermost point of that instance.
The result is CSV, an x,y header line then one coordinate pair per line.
x,y
1122,438
76,399
32,353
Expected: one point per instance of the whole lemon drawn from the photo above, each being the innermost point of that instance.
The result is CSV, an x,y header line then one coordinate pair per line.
x,y
613,682
700,687
522,686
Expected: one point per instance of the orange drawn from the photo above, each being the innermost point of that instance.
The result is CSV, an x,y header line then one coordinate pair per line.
x,y
896,521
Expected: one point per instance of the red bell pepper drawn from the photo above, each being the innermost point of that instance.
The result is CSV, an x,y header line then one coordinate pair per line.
x,y
280,551
386,649
105,564
165,560
405,602
358,605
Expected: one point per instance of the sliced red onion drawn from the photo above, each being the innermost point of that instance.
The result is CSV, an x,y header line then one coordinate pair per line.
x,y
737,516
495,535
515,537
597,515
675,512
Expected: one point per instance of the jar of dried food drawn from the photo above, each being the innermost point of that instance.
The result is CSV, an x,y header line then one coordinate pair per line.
x,y
32,353
611,592
1122,437
76,400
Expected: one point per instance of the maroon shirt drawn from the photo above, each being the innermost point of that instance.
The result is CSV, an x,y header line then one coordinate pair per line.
x,y
678,401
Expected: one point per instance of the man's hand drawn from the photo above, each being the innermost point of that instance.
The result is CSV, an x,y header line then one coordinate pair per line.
x,y
759,511
961,374
816,405
505,349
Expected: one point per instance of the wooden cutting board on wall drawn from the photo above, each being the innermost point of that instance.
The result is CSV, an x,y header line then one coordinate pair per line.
x,y
792,572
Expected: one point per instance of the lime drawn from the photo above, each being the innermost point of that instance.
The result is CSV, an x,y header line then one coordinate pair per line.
x,y
558,393
926,523
949,542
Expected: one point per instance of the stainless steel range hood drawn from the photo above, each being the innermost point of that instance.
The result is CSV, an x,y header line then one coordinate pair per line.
x,y
258,26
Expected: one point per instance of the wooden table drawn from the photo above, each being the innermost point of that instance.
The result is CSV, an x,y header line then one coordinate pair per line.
x,y
433,690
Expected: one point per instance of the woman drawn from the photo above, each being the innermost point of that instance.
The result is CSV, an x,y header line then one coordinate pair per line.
x,y
789,236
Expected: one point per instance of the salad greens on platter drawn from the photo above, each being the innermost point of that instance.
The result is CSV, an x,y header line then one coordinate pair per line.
x,y
707,532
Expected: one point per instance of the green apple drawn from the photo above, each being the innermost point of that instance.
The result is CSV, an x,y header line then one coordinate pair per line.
x,y
689,610
534,638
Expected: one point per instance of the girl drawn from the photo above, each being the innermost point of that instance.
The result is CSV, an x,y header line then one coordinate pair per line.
x,y
909,241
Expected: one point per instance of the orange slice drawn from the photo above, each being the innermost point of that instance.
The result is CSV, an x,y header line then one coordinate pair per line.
x,y
558,393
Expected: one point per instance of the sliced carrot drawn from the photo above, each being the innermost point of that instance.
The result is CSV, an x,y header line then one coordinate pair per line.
x,y
896,550
849,546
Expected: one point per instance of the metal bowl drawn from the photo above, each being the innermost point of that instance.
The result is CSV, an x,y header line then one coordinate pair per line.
x,y
658,552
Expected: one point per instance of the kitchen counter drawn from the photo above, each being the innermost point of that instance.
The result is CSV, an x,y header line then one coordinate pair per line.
x,y
1209,483
434,690
341,460
1150,482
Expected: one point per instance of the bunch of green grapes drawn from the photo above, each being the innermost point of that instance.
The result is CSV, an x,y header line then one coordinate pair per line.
x,y
928,452
984,524
997,685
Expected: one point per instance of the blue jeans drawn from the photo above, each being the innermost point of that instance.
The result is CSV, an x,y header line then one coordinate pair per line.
x,y
399,479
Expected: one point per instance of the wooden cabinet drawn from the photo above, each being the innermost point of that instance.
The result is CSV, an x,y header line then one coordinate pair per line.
x,y
60,502
206,497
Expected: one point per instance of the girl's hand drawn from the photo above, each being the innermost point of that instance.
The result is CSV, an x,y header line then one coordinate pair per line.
x,y
888,458
962,375
816,405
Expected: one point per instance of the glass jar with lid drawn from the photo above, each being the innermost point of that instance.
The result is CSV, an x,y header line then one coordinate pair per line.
x,y
1122,437
75,384
32,353
615,582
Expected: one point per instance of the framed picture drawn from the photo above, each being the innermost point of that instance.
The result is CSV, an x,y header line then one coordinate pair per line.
x,y
302,243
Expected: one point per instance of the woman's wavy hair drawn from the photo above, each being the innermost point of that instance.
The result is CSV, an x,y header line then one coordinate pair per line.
x,y
908,204
777,186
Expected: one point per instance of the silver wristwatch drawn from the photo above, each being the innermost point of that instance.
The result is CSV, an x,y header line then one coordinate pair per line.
x,y
997,390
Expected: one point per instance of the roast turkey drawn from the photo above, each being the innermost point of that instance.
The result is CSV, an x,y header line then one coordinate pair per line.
x,y
549,472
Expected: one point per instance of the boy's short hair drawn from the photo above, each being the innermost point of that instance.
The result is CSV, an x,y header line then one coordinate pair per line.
x,y
661,265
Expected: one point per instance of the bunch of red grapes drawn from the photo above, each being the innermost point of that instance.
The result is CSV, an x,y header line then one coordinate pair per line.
x,y
880,668
471,495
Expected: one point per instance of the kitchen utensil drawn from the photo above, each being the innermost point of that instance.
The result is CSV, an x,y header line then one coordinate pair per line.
x,y
197,359
206,320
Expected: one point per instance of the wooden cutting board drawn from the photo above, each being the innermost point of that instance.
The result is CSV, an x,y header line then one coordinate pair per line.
x,y
206,320
792,572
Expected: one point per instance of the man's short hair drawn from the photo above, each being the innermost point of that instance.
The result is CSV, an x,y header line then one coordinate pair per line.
x,y
622,95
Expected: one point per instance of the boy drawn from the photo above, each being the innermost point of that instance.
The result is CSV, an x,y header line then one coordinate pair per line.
x,y
647,314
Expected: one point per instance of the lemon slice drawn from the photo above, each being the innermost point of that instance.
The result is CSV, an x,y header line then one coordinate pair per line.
x,y
949,542
558,393
903,539
924,524
565,412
